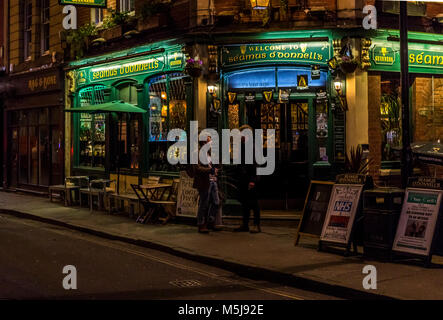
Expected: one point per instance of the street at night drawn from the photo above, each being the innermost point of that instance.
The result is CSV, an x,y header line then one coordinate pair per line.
x,y
270,153
33,255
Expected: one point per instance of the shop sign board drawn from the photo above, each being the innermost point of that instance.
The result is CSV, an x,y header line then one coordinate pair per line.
x,y
316,52
129,68
423,58
37,82
84,3
418,219
187,197
342,210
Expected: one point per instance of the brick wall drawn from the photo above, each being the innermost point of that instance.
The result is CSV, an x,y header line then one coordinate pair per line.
x,y
374,125
16,30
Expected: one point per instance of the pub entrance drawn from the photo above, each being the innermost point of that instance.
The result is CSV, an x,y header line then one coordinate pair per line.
x,y
290,121
284,99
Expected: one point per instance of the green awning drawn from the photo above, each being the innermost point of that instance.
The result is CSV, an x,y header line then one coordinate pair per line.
x,y
113,106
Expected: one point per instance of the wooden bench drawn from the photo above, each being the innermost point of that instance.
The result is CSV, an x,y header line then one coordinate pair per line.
x,y
115,200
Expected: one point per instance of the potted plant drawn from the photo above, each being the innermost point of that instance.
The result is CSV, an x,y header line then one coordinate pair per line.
x,y
355,162
194,67
80,39
115,24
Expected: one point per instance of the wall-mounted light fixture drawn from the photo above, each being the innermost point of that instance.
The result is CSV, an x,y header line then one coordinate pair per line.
x,y
259,4
337,85
212,89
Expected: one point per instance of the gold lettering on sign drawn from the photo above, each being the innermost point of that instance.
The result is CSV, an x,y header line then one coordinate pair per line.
x,y
42,83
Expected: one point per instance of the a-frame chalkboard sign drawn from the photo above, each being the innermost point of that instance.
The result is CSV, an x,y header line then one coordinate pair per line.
x,y
314,210
418,228
344,212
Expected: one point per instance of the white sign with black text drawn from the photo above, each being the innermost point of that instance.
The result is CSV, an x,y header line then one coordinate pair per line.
x,y
418,219
187,197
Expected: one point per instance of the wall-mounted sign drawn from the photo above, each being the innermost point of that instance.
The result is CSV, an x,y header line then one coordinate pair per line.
x,y
33,83
85,3
150,64
302,81
383,55
423,58
315,72
250,97
268,96
231,97
283,95
300,52
126,69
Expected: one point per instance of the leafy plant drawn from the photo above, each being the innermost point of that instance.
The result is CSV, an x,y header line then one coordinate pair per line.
x,y
390,123
355,161
78,39
116,18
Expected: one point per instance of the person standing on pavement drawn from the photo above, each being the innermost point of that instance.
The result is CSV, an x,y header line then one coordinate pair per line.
x,y
248,195
205,181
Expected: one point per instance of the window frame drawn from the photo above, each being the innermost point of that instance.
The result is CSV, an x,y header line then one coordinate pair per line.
x,y
45,23
124,5
27,30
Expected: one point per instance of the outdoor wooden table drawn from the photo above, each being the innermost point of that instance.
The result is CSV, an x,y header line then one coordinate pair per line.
x,y
157,190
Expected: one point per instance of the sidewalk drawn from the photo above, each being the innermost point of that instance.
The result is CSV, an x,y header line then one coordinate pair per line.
x,y
270,254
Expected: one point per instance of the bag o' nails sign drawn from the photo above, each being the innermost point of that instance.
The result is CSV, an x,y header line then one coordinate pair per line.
x,y
85,3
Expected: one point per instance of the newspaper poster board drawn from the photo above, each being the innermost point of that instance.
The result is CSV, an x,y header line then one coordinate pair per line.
x,y
418,219
187,197
314,210
342,210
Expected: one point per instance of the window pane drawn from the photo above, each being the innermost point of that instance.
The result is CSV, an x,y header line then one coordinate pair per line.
x,y
390,112
159,109
92,129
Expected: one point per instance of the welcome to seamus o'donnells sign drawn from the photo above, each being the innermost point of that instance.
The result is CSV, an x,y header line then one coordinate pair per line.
x,y
317,52
86,3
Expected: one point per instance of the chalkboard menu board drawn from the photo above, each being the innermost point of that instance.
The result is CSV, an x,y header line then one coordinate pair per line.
x,y
314,211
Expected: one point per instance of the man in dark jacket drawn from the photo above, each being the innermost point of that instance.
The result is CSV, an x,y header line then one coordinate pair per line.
x,y
248,196
202,175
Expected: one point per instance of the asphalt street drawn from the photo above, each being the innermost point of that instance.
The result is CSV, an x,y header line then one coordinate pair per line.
x,y
33,255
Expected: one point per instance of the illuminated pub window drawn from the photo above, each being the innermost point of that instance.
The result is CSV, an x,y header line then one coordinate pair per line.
x,y
129,138
92,129
390,114
167,103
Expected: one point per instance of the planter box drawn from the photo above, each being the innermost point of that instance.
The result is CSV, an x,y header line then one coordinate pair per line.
x,y
112,33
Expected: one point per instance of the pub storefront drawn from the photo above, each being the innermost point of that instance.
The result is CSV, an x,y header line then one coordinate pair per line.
x,y
425,53
34,130
151,77
281,81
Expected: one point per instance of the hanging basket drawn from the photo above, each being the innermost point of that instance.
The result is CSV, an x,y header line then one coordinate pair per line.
x,y
348,66
194,72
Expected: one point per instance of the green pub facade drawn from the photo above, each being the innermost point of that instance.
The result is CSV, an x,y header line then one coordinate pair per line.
x,y
281,81
150,77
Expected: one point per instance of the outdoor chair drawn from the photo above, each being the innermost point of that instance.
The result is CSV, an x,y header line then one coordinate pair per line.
x,y
65,191
96,189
